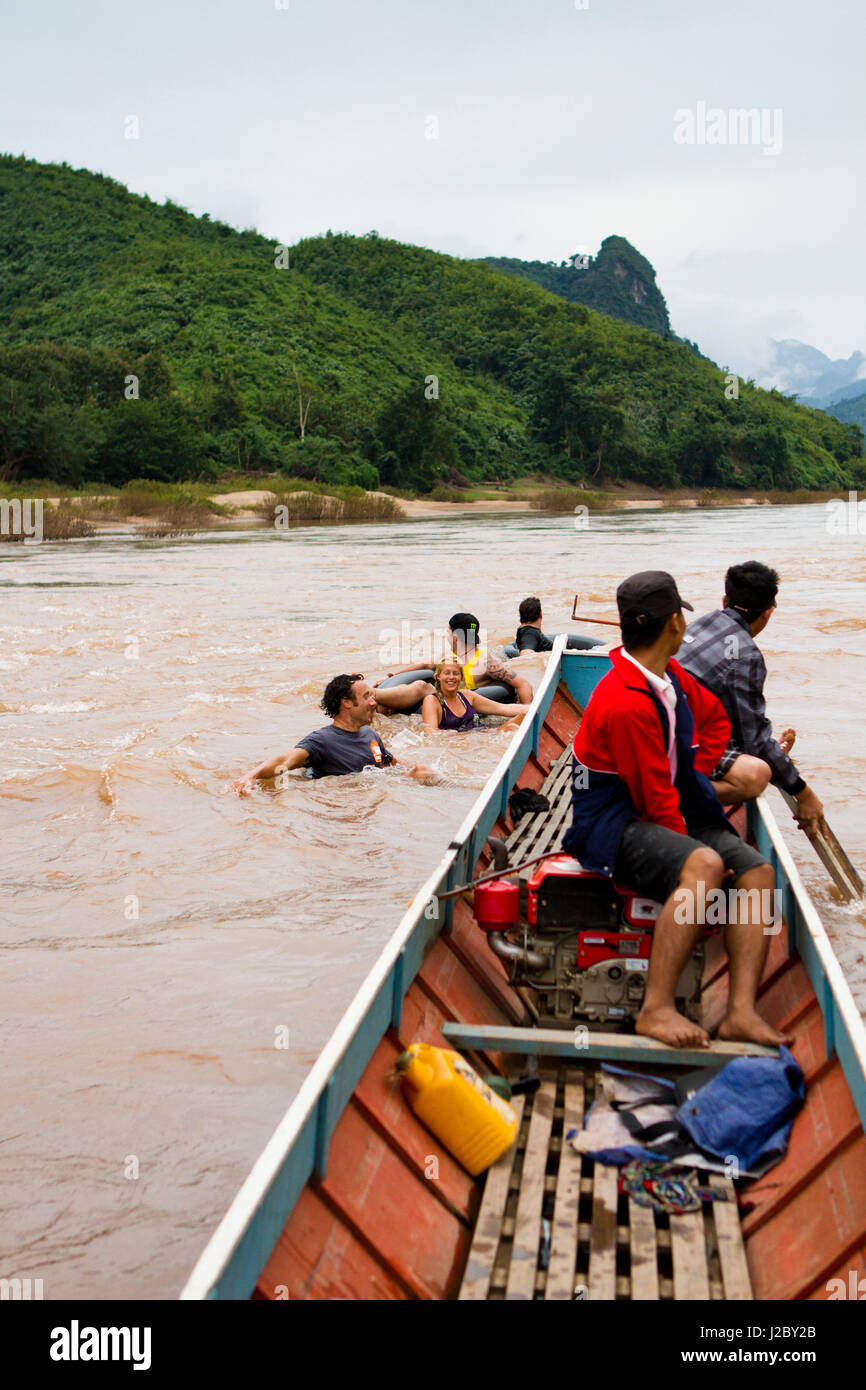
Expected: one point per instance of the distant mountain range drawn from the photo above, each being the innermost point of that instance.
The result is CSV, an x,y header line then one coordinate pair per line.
x,y
804,371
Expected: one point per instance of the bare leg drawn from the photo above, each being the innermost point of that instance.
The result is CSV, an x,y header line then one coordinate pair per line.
x,y
747,951
516,719
745,779
676,931
398,697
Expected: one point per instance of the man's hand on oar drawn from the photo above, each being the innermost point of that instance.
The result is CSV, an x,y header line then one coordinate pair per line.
x,y
810,813
787,739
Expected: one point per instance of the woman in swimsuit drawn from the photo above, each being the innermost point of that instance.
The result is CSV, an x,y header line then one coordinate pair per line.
x,y
452,708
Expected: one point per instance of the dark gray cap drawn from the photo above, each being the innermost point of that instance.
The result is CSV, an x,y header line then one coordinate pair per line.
x,y
650,594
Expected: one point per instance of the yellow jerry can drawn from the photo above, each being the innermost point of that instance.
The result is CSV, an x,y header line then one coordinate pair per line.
x,y
450,1098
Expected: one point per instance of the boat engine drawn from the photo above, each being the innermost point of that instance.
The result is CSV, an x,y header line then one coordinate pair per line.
x,y
579,941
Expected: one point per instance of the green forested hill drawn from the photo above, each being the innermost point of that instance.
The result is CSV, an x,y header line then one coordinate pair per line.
x,y
414,367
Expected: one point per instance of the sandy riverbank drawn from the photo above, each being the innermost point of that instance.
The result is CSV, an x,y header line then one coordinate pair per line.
x,y
244,502
242,507
422,508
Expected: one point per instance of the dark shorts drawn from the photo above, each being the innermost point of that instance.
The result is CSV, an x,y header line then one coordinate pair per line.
x,y
650,857
725,763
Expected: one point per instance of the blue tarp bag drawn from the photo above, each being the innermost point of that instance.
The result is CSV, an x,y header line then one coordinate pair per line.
x,y
746,1110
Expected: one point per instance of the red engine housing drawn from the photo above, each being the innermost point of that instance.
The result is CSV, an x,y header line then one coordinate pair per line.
x,y
593,946
583,944
552,879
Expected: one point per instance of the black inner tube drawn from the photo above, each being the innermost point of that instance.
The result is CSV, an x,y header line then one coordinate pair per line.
x,y
503,694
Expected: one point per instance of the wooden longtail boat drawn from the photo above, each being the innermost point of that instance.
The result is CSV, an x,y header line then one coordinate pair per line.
x,y
342,1204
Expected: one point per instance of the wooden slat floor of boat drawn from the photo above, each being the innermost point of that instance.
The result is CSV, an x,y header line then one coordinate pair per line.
x,y
553,1225
541,831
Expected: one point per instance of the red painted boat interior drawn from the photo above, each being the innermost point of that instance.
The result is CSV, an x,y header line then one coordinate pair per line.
x,y
393,1218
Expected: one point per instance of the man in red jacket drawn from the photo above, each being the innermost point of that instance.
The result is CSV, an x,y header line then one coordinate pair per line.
x,y
646,813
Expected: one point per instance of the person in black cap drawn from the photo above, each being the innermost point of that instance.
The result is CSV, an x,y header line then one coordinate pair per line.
x,y
480,668
644,813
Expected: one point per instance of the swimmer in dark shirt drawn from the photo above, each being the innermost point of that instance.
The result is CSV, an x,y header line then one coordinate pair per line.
x,y
530,638
347,745
453,708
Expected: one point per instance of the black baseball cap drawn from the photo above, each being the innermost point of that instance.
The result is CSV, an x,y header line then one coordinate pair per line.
x,y
650,594
464,622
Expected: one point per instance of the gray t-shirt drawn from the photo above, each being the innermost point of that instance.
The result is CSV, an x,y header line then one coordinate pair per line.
x,y
333,752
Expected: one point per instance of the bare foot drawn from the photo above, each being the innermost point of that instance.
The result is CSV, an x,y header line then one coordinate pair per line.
x,y
746,1025
671,1027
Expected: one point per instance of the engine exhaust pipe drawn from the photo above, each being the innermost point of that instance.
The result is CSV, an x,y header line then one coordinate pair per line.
x,y
519,955
500,853
505,949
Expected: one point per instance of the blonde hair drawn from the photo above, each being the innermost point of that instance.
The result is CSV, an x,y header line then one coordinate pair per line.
x,y
446,661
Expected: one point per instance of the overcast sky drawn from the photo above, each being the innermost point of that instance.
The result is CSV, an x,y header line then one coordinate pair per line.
x,y
555,129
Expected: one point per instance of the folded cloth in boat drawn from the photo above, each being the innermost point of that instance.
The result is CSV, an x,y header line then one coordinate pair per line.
x,y
746,1109
634,1117
740,1119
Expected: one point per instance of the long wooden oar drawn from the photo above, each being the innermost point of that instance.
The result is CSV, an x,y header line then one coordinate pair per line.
x,y
834,859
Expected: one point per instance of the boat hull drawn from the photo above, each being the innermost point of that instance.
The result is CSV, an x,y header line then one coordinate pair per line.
x,y
355,1199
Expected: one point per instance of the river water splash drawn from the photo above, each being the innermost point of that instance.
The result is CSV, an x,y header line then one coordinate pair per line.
x,y
174,958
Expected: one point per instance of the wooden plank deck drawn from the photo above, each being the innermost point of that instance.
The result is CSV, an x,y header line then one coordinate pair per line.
x,y
530,1201
488,1227
554,1226
566,1211
540,832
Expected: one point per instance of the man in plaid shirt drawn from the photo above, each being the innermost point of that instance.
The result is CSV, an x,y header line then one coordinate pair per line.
x,y
720,651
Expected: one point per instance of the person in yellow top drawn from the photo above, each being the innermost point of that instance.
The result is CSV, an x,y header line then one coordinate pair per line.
x,y
479,667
